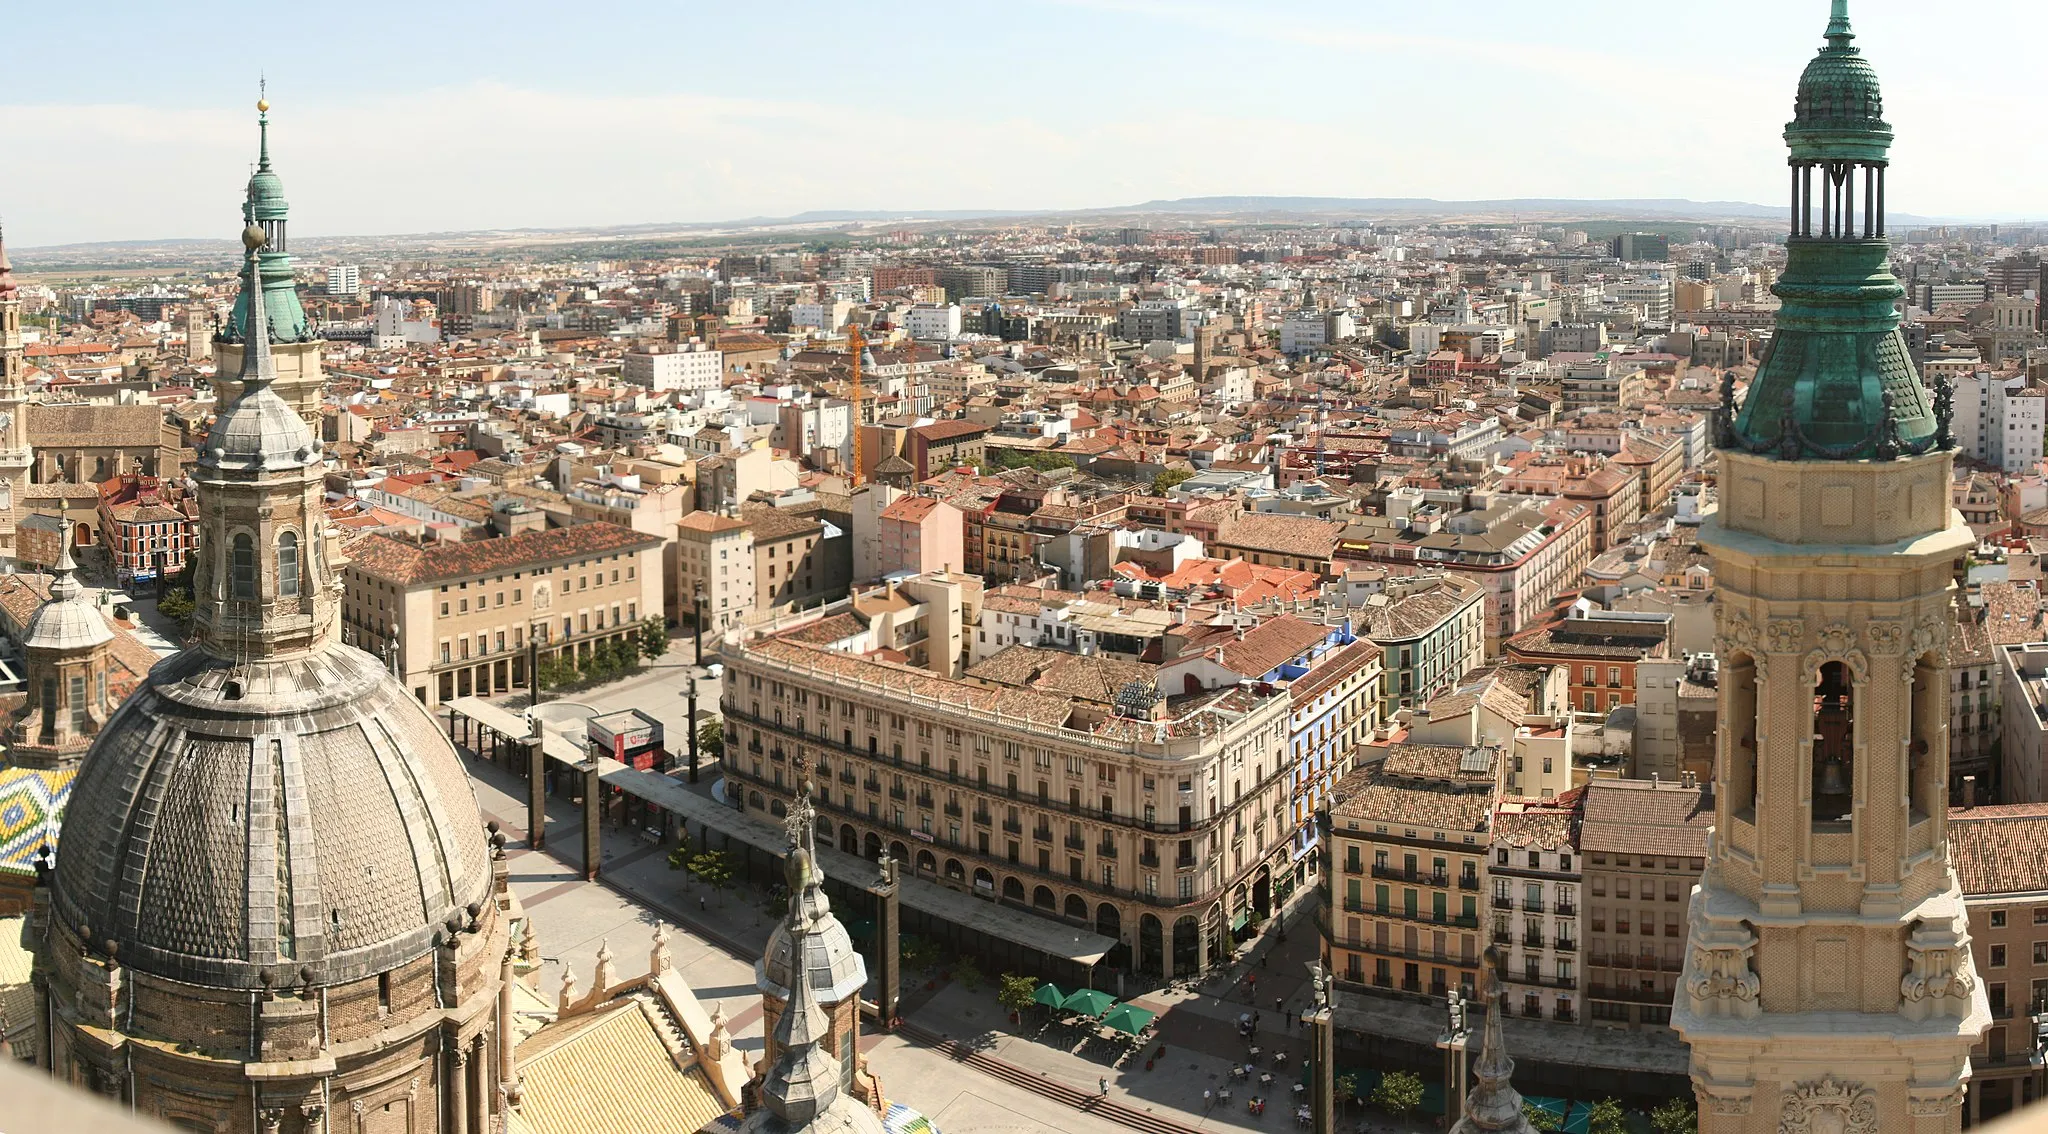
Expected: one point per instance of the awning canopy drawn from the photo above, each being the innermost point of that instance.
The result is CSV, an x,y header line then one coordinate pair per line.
x,y
1042,935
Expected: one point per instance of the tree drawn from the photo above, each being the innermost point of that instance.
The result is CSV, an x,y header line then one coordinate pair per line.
x,y
713,868
1540,1119
1015,992
679,858
967,973
1347,1089
653,639
711,738
177,606
1675,1116
1167,479
1607,1117
557,670
916,952
1399,1093
1043,461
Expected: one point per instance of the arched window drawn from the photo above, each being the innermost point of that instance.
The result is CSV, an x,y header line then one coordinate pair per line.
x,y
288,565
244,569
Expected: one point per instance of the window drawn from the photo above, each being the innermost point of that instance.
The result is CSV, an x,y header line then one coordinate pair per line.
x,y
288,565
1997,956
243,571
1998,919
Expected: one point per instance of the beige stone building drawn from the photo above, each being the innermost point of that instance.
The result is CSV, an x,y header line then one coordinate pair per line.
x,y
714,570
454,618
2000,863
1644,843
1072,789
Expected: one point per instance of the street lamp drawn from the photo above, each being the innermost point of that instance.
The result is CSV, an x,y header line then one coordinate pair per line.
x,y
693,728
391,654
698,618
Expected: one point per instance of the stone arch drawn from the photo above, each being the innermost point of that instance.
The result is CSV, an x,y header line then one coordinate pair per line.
x,y
1013,890
899,852
756,800
1042,898
955,871
927,863
849,839
874,847
1109,921
1076,908
1187,945
777,808
1151,945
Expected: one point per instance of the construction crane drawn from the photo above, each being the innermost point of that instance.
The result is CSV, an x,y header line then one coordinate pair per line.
x,y
854,346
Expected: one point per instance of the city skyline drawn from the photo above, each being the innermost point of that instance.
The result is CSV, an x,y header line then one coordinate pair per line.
x,y
703,115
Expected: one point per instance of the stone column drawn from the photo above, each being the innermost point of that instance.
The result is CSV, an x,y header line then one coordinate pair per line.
x,y
593,833
457,1089
888,974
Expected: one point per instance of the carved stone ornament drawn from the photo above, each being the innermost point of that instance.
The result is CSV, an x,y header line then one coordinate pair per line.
x,y
1935,967
1884,637
1785,634
1726,1104
1738,629
1925,636
1837,639
270,1117
1935,1106
1829,1106
1722,971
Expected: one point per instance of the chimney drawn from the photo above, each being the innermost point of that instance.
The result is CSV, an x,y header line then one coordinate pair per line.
x,y
1970,791
1653,780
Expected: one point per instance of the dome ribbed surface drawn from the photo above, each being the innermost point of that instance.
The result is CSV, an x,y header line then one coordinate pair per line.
x,y
301,817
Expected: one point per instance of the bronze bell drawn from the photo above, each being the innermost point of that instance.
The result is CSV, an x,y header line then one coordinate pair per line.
x,y
1833,780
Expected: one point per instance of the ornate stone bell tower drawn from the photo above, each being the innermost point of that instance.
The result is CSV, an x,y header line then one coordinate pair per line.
x,y
1828,982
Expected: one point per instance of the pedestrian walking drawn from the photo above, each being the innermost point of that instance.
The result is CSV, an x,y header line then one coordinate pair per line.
x,y
701,907
1104,1084
1277,1002
1263,958
1255,1020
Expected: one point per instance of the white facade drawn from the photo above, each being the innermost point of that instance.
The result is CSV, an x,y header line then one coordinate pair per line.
x,y
1999,421
1653,297
824,316
926,321
344,279
692,369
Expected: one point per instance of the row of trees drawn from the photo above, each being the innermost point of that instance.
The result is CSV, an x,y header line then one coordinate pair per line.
x,y
607,661
1399,1094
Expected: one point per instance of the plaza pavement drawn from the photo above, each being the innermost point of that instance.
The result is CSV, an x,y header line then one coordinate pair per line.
x,y
715,939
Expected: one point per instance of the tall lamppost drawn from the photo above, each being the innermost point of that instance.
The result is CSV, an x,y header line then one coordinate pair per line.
x,y
699,620
693,728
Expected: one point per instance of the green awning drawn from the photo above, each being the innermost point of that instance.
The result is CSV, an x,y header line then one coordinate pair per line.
x,y
1129,1018
1237,922
1088,1002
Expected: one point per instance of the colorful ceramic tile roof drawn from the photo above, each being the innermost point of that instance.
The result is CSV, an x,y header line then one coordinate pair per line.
x,y
31,812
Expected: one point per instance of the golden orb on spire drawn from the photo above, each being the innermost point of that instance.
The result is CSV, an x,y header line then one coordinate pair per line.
x,y
263,106
254,237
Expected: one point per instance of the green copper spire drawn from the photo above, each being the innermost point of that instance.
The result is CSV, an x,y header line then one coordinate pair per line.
x,y
265,207
1836,382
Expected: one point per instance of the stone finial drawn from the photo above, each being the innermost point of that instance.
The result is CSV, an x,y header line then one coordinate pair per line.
x,y
567,1001
720,1040
658,961
529,945
601,978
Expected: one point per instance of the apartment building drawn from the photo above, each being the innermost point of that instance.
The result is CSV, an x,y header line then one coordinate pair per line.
x,y
147,525
1061,783
1999,419
2004,877
1409,840
1600,649
1535,876
1430,629
690,368
454,619
794,560
1645,844
714,570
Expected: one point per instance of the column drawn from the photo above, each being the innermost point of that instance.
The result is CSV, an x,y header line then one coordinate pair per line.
x,y
887,925
593,833
479,1102
458,1089
536,793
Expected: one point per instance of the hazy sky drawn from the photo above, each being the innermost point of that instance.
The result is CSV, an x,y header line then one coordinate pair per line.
x,y
412,117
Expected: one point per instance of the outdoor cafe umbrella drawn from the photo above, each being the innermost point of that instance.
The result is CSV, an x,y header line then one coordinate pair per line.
x,y
1129,1018
1088,1002
1048,995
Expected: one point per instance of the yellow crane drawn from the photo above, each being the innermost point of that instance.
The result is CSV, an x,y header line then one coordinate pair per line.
x,y
854,346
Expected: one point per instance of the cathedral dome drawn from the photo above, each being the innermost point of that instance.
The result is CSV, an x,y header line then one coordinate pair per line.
x,y
288,818
1838,114
69,621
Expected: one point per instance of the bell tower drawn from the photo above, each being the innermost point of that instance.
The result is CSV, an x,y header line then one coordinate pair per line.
x,y
1828,981
15,455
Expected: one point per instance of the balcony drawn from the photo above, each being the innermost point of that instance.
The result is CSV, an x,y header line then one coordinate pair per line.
x,y
981,818
1503,902
1468,882
1532,941
847,777
1418,877
1354,866
1632,995
1502,937
897,793
1148,860
775,754
1567,909
1012,827
952,810
1042,834
1533,905
1075,843
1184,862
872,785
1566,945
924,803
